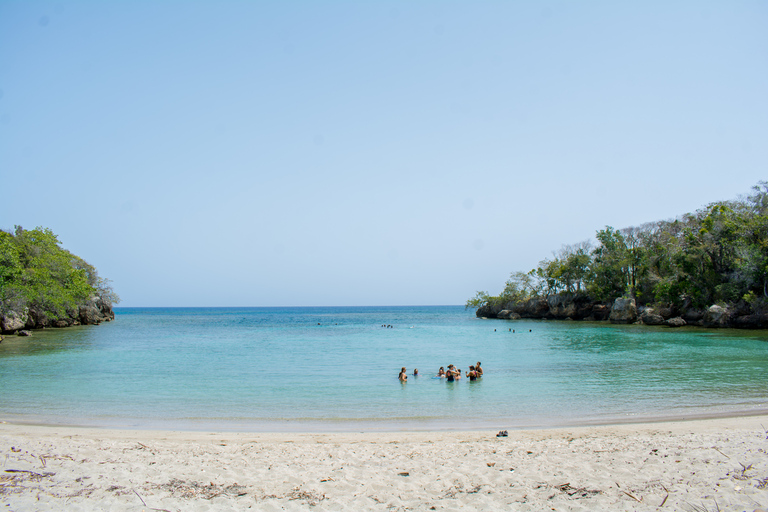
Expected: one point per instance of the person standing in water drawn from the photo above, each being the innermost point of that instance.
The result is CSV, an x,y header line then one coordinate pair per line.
x,y
478,370
403,376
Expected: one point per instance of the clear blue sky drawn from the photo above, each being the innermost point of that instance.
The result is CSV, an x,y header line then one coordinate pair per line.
x,y
264,153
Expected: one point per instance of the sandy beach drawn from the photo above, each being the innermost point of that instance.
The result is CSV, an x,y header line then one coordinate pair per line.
x,y
715,464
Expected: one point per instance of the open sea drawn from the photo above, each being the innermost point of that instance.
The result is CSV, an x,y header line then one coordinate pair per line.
x,y
335,369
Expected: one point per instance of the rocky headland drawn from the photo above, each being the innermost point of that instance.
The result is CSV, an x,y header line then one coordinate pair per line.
x,y
624,311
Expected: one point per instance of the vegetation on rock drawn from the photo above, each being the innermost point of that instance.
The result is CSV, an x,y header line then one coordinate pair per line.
x,y
41,280
716,255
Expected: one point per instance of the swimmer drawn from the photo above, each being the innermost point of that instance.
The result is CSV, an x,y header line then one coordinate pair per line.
x,y
478,370
441,372
415,372
449,376
472,374
403,377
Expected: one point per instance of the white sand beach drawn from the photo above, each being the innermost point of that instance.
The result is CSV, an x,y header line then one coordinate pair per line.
x,y
714,464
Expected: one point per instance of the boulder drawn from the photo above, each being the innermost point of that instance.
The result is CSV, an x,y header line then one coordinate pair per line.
x,y
650,316
676,322
12,321
24,333
96,311
716,316
624,311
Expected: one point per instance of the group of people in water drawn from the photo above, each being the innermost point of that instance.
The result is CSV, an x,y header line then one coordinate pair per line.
x,y
451,374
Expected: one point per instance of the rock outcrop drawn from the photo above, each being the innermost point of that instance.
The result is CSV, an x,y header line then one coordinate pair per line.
x,y
716,316
13,321
756,321
650,316
624,311
676,322
95,311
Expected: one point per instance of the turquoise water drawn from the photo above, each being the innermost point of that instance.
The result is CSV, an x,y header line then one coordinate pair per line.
x,y
336,369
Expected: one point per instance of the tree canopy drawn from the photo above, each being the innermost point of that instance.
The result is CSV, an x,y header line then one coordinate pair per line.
x,y
37,273
716,255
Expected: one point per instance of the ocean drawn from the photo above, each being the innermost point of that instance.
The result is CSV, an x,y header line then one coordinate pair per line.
x,y
336,368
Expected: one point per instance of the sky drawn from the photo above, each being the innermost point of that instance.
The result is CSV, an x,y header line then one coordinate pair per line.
x,y
340,153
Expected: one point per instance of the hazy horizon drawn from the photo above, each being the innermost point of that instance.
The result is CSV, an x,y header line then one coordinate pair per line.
x,y
380,153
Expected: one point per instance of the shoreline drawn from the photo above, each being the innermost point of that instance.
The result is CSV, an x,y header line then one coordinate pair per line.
x,y
379,425
711,463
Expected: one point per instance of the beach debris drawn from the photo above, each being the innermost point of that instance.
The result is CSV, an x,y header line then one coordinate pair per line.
x,y
145,504
183,489
502,433
15,480
404,473
490,464
742,474
703,508
458,488
578,492
312,498
639,500
32,474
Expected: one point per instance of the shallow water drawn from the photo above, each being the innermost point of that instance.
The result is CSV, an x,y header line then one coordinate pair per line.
x,y
336,369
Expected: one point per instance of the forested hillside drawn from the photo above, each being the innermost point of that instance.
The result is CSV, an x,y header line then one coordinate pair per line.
x,y
42,284
717,255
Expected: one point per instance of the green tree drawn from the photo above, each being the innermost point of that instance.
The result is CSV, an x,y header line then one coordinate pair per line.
x,y
36,272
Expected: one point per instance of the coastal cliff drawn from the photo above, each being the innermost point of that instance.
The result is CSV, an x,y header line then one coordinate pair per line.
x,y
624,311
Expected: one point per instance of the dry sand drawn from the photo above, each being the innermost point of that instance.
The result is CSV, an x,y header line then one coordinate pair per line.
x,y
719,464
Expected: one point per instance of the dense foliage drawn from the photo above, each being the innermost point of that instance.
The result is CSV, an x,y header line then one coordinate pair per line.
x,y
717,255
36,273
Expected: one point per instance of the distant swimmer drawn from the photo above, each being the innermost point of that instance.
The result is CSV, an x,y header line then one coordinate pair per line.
x,y
415,372
472,374
403,376
441,372
478,370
